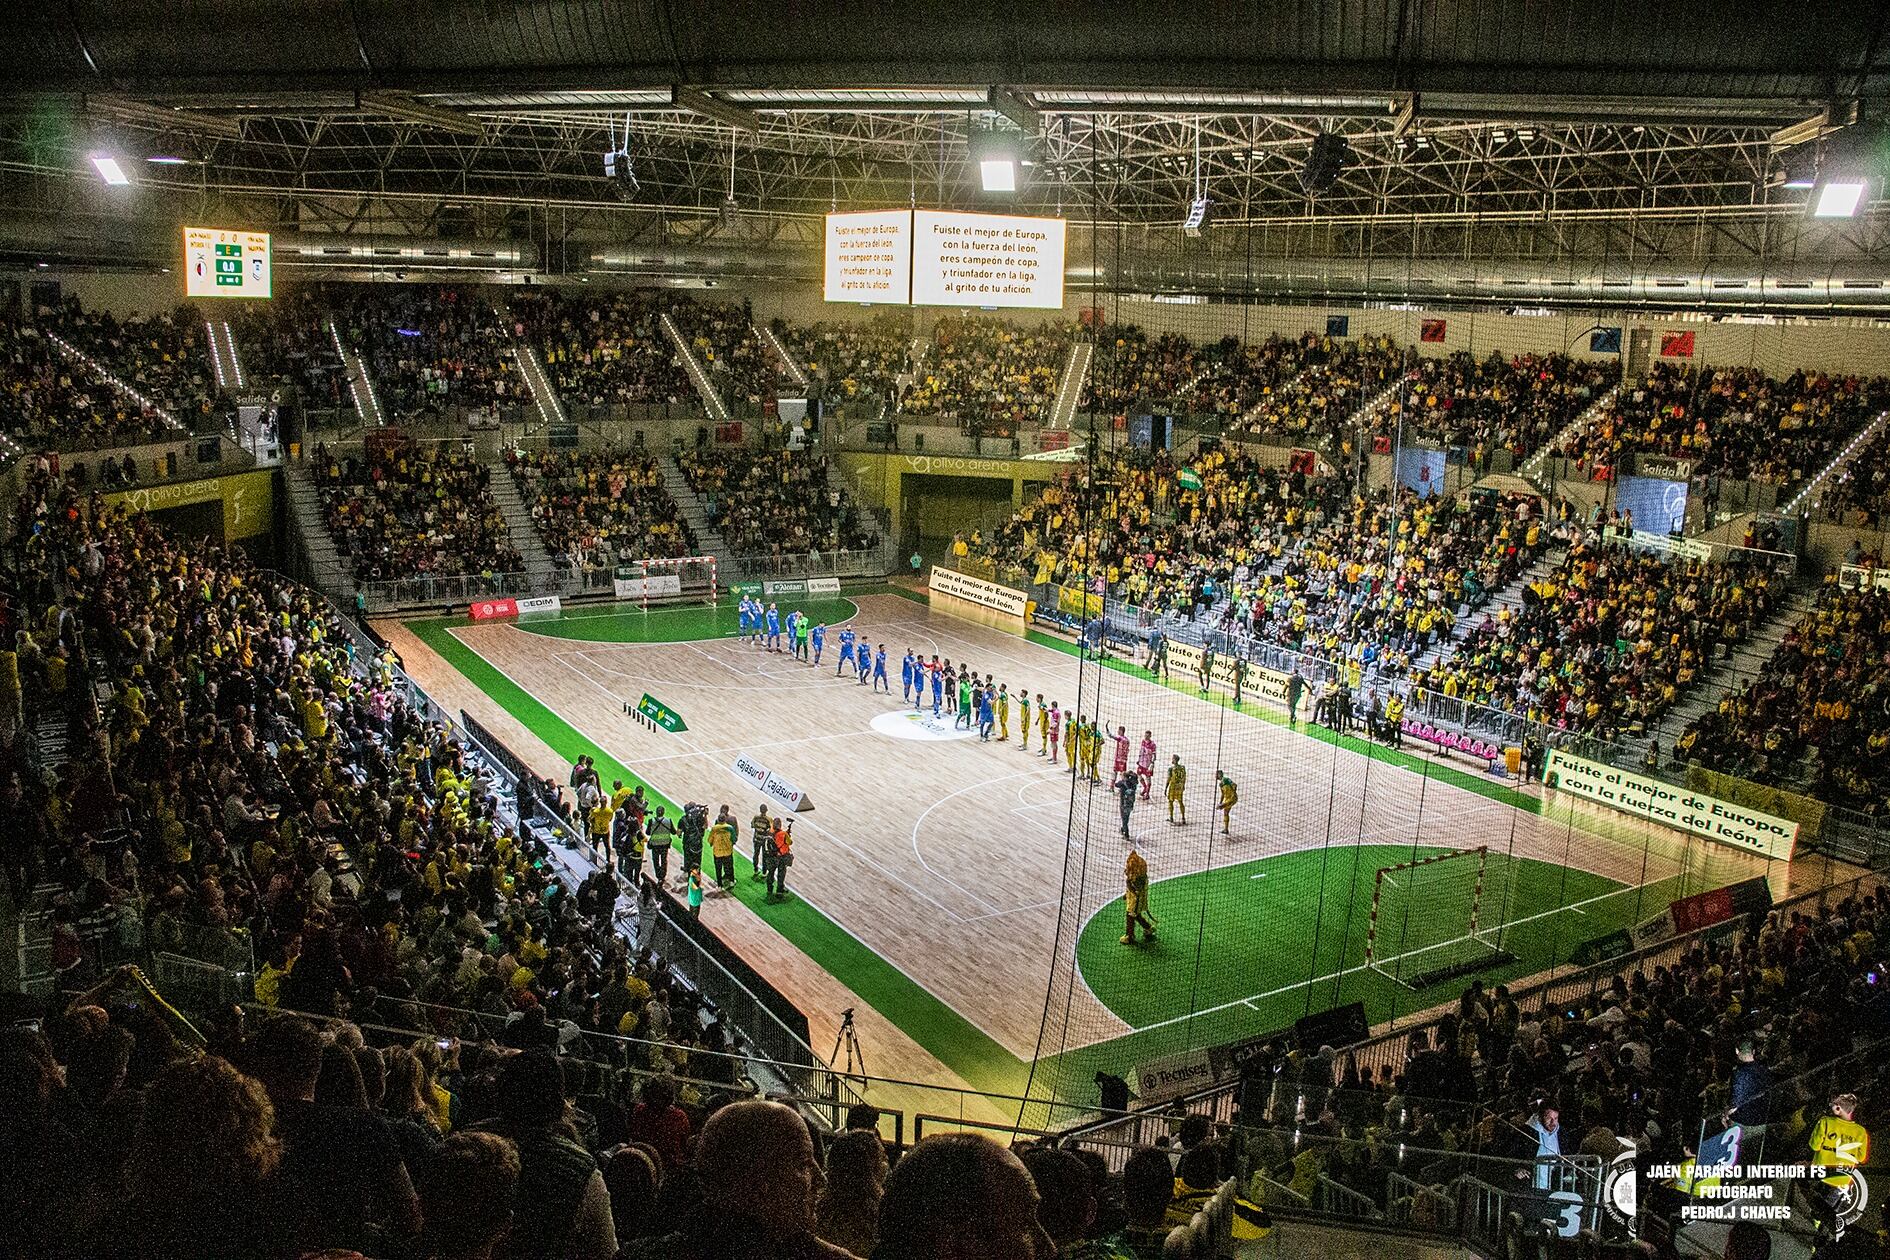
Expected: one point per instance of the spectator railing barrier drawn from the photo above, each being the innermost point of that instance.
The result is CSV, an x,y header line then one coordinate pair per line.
x,y
460,589
1571,988
875,562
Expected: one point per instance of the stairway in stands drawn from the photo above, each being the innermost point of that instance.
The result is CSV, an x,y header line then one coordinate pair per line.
x,y
712,401
1531,469
695,514
328,570
1508,598
522,530
367,404
1070,390
223,356
769,338
544,397
1724,674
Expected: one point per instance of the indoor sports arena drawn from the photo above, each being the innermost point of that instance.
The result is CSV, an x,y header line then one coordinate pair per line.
x,y
916,631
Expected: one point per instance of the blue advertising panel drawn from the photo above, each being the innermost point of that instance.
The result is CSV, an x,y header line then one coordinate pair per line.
x,y
1657,506
1421,469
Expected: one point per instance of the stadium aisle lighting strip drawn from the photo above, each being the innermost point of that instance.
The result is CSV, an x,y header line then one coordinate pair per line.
x,y
236,360
1534,463
358,379
114,380
526,362
1863,435
216,356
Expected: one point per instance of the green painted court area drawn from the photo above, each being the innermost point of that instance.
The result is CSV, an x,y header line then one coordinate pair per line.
x,y
1317,904
1243,949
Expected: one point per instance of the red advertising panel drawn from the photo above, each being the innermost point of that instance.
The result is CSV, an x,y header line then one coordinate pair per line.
x,y
1676,345
487,609
1430,330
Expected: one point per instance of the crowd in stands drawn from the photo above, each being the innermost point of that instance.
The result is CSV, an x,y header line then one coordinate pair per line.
x,y
1859,493
776,502
414,511
1129,368
1731,422
722,335
1514,404
990,372
1247,372
1817,717
600,508
47,399
602,349
1337,378
429,347
287,341
164,357
1604,643
1382,582
852,359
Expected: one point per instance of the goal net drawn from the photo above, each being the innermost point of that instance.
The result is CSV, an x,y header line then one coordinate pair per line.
x,y
679,579
1437,917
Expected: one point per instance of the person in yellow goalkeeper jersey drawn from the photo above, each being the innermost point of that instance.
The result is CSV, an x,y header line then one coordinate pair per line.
x,y
1839,1146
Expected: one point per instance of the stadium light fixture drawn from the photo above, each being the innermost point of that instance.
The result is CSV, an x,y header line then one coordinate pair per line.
x,y
997,174
1838,199
109,170
998,155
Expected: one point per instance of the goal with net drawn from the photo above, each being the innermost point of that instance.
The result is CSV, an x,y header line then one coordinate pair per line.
x,y
671,580
1438,917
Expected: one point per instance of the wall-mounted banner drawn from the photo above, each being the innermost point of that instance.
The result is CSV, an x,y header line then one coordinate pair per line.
x,y
1173,1075
771,785
653,586
1431,330
978,591
823,586
1605,340
1338,325
1676,345
540,604
488,609
1673,806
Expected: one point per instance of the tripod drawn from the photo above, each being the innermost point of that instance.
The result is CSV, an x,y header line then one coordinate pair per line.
x,y
849,1037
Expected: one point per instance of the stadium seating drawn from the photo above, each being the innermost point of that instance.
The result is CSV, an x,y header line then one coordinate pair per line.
x,y
1731,422
854,359
1337,378
1513,403
429,348
1859,493
602,349
1130,368
1604,643
723,337
287,341
600,508
164,357
1249,372
776,503
421,511
1817,718
49,400
988,371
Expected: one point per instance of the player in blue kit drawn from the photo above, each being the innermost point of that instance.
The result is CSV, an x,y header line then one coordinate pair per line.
x,y
865,657
880,682
820,640
774,628
938,688
905,676
744,617
793,621
846,651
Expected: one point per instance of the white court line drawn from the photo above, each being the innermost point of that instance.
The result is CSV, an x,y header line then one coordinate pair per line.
x,y
810,901
864,858
927,813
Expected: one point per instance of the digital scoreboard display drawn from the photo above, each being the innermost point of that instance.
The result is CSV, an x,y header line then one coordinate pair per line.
x,y
223,263
945,258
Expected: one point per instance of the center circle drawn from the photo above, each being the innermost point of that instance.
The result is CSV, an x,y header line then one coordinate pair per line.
x,y
905,724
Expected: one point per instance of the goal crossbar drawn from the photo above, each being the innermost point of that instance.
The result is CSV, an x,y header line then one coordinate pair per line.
x,y
1403,877
649,578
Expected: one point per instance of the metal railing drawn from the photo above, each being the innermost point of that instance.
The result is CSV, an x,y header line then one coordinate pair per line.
x,y
872,562
431,591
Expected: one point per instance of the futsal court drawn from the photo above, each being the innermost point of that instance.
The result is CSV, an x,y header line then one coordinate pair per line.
x,y
951,884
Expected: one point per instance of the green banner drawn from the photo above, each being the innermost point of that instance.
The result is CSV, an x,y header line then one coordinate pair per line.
x,y
661,714
1188,479
750,589
1601,949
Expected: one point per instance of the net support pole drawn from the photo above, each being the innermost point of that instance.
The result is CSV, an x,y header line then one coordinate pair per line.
x,y
1371,925
1476,897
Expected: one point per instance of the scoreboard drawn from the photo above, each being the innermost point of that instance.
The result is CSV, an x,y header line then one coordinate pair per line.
x,y
222,263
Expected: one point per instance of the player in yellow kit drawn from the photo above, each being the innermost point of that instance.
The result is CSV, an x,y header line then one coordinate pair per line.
x,y
1004,712
1230,796
1092,751
1177,790
1023,720
1839,1145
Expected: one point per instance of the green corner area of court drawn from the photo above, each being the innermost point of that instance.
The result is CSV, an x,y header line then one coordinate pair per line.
x,y
630,622
978,1060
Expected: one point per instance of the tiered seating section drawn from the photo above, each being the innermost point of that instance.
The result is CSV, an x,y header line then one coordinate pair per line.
x,y
287,340
602,349
854,360
990,371
777,503
1130,368
722,336
48,400
1817,718
602,507
1515,403
1248,372
1731,422
430,348
419,511
1335,381
1605,642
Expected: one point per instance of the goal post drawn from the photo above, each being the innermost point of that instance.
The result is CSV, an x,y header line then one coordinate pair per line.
x,y
667,579
1437,917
